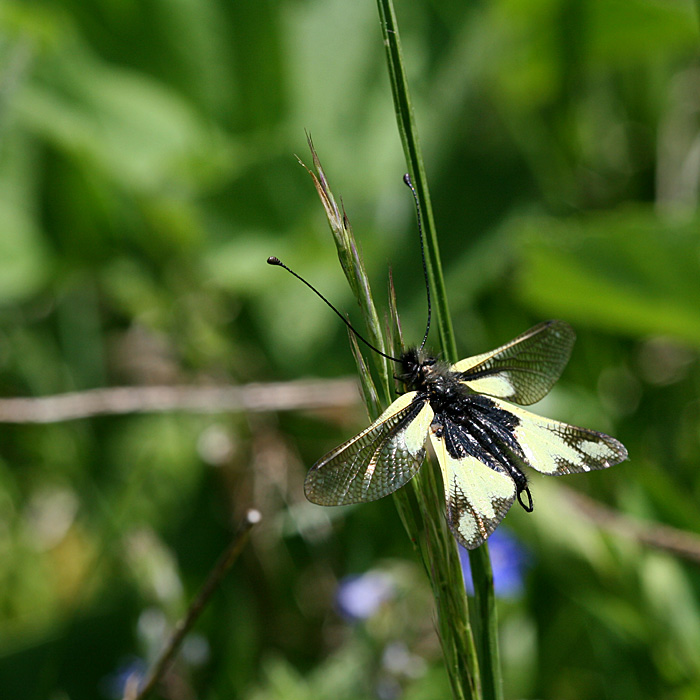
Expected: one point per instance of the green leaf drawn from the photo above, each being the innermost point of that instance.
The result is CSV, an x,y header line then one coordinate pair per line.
x,y
629,271
23,257
627,32
124,124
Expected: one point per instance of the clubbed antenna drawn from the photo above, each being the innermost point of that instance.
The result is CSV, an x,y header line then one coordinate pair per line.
x,y
407,180
272,260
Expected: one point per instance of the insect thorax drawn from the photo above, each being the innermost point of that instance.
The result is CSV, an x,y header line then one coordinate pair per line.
x,y
454,404
425,374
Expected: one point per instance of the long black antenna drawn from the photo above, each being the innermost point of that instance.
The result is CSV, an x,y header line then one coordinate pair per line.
x,y
272,260
407,180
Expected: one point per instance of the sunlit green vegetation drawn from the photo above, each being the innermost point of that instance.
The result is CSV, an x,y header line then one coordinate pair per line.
x,y
147,170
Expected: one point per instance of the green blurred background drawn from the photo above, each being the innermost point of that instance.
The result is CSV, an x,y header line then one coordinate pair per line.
x,y
147,170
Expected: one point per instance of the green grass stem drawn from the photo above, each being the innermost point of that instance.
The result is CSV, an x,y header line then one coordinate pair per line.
x,y
488,670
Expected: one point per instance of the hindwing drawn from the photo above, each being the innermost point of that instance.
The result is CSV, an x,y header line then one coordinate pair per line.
x,y
553,447
377,461
478,495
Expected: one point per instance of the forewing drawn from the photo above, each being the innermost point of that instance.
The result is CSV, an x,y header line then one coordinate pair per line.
x,y
378,461
477,496
553,447
524,370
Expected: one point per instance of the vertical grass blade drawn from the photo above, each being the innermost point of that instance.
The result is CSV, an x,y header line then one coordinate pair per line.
x,y
420,503
488,667
411,145
351,263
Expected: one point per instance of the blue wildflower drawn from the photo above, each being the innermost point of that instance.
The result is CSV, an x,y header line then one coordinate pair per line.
x,y
508,559
359,596
131,672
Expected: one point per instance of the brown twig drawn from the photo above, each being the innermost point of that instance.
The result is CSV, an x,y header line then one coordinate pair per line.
x,y
681,543
281,396
162,664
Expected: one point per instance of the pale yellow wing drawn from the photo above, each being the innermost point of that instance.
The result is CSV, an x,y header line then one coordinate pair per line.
x,y
378,461
524,370
553,447
477,496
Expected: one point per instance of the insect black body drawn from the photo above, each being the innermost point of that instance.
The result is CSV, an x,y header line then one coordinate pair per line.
x,y
483,442
470,424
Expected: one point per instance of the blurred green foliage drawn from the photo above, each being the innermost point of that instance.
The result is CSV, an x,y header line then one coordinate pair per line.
x,y
147,171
